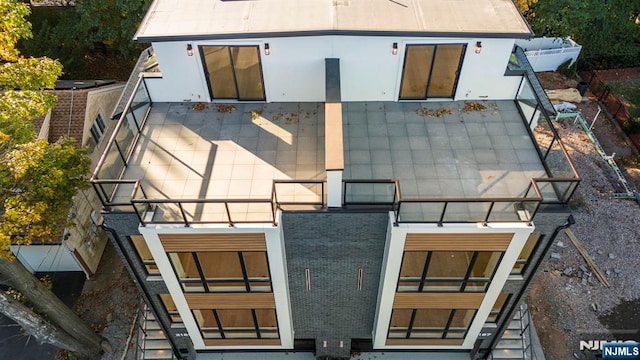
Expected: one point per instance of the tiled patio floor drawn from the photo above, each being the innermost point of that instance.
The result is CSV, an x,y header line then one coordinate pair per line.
x,y
236,151
462,154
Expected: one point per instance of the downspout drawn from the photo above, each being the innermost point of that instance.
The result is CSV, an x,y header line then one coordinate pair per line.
x,y
500,330
70,113
139,280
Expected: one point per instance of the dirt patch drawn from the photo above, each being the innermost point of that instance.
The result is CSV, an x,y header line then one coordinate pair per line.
x,y
554,335
108,303
619,74
608,131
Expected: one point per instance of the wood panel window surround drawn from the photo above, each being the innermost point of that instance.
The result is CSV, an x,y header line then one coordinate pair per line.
x,y
144,255
523,259
219,262
237,323
170,308
431,71
227,285
442,283
447,271
222,271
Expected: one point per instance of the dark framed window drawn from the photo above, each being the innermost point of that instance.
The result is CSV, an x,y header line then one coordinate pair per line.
x,y
431,71
98,128
144,255
529,248
237,323
233,72
222,271
447,271
498,307
171,308
514,67
430,323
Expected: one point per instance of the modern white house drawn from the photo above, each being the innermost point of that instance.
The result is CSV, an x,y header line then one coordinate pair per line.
x,y
334,176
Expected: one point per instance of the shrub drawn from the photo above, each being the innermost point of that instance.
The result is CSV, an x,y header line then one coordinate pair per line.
x,y
568,68
632,125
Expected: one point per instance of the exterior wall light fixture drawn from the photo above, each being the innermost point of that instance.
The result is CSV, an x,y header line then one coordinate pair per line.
x,y
478,47
394,48
267,50
189,50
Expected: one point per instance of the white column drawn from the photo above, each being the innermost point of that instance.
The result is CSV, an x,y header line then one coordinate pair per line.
x,y
334,188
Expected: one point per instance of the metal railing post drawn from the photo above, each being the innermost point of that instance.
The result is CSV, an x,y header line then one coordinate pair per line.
x,y
444,210
226,206
184,216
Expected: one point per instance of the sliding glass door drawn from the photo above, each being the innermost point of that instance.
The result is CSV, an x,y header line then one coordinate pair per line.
x,y
431,71
233,72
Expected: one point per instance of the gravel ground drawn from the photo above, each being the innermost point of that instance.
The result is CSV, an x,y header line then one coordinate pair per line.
x,y
568,303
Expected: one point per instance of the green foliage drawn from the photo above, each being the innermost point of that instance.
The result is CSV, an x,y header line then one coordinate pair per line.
x,y
629,91
30,73
632,124
38,182
96,20
93,29
37,179
606,29
568,68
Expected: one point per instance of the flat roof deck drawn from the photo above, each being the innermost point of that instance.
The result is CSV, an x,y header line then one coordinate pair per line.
x,y
457,154
236,151
211,19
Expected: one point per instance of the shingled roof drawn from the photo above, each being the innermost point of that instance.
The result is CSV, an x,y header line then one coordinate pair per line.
x,y
68,115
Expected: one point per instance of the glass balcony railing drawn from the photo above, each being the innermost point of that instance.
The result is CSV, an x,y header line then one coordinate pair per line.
x,y
107,176
562,177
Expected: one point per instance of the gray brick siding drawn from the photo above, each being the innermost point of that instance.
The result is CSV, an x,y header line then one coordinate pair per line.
x,y
333,246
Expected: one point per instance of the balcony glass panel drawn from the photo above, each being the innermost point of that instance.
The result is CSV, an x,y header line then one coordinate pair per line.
x,y
420,211
527,100
373,193
507,211
466,211
557,162
140,103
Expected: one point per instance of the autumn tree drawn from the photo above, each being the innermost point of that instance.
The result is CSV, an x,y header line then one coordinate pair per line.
x,y
37,182
525,5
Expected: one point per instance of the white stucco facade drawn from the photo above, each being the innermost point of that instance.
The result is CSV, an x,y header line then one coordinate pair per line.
x,y
294,71
394,249
277,267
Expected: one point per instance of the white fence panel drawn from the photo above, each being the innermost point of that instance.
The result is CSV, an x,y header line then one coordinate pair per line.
x,y
546,54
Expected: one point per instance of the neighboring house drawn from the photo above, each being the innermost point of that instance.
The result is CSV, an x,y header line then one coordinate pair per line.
x,y
81,112
334,176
